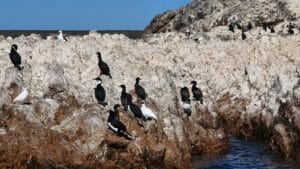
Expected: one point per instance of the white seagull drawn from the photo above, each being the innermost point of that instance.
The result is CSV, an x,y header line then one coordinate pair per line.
x,y
22,96
61,37
147,113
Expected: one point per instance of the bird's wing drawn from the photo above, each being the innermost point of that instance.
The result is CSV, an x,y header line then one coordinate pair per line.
x,y
112,127
197,92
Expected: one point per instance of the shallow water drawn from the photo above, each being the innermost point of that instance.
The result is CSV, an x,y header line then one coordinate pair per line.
x,y
245,154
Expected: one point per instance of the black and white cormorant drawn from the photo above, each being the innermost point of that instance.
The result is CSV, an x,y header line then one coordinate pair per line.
x,y
290,27
187,107
186,102
103,66
116,125
272,29
15,57
139,90
243,35
238,25
231,27
125,97
100,92
136,112
265,26
249,26
197,93
134,109
185,94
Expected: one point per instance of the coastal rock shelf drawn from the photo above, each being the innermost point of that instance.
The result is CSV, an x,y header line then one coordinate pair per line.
x,y
65,127
251,88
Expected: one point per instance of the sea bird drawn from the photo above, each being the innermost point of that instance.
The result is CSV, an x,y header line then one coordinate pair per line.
x,y
15,57
249,26
185,94
243,35
125,97
103,66
116,125
100,92
197,93
61,37
186,102
139,90
147,113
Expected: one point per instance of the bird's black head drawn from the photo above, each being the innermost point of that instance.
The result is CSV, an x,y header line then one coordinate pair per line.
x,y
137,80
193,82
116,107
14,46
99,56
122,86
98,79
183,88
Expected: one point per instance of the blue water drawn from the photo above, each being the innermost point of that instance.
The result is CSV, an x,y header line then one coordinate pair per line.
x,y
245,154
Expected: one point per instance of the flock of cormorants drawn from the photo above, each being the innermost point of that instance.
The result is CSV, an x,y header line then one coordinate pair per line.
x,y
141,114
265,26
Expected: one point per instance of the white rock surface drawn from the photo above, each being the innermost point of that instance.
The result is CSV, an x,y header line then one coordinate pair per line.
x,y
164,62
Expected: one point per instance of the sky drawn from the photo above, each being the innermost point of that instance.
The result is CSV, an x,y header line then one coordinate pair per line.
x,y
82,14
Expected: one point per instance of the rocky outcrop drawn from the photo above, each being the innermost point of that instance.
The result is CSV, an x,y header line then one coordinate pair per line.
x,y
205,15
64,119
250,88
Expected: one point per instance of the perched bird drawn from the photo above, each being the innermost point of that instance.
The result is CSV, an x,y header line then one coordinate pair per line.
x,y
22,96
147,113
185,94
134,109
187,108
103,66
100,93
139,90
136,112
272,29
265,26
186,102
61,37
187,33
116,125
249,26
238,25
231,27
125,97
290,31
243,35
197,93
15,57
290,27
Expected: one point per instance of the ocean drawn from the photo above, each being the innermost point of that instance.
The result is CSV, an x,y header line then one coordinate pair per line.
x,y
132,34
